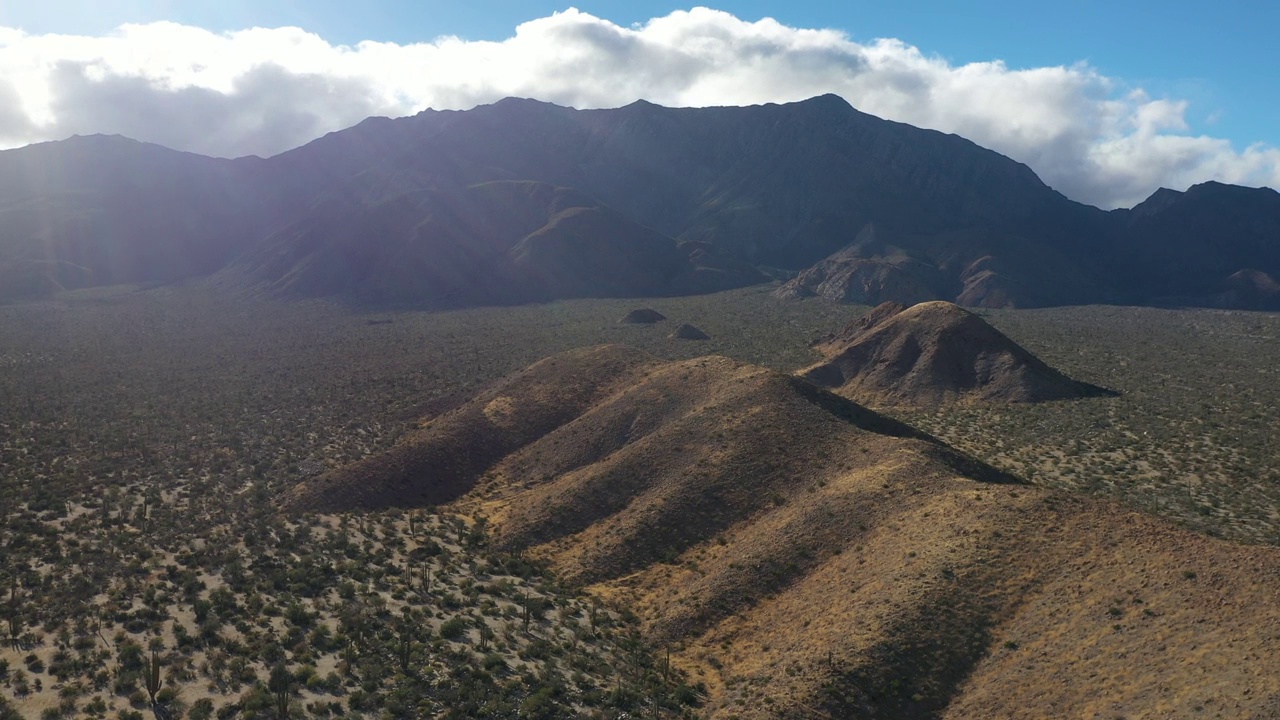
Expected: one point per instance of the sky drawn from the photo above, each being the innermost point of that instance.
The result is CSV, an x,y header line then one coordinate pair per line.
x,y
1106,101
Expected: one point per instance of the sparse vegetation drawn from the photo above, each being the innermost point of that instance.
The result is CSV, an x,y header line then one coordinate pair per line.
x,y
1192,436
145,438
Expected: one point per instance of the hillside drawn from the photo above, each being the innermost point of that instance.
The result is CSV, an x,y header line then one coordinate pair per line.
x,y
972,268
92,211
933,353
833,343
492,243
1194,247
865,210
801,554
775,185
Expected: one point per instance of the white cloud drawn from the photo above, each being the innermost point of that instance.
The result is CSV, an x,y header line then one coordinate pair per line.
x,y
262,91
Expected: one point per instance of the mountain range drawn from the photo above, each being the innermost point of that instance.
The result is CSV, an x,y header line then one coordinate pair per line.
x,y
522,201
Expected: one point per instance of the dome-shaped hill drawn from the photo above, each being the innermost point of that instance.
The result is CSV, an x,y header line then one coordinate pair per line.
x,y
689,332
642,316
936,352
1251,290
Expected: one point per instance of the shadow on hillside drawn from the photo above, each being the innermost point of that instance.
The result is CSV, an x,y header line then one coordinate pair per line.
x,y
916,674
855,414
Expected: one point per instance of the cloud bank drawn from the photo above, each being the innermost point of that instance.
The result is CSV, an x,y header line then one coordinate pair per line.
x,y
263,91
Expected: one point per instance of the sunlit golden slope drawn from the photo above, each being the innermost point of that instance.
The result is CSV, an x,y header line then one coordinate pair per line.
x,y
804,556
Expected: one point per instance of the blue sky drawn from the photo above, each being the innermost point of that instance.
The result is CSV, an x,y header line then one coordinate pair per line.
x,y
1105,101
1221,56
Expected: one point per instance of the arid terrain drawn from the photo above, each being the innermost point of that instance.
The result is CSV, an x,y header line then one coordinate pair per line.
x,y
430,361
936,354
148,438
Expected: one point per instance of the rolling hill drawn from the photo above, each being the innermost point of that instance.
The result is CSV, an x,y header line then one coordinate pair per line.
x,y
804,556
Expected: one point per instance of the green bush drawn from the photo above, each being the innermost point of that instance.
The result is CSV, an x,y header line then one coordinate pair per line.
x,y
201,709
453,628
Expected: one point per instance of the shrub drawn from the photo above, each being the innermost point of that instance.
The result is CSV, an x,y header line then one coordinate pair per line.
x,y
201,709
453,628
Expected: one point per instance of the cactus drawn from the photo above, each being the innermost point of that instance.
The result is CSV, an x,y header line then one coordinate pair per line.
x,y
281,686
348,657
153,677
405,650
14,622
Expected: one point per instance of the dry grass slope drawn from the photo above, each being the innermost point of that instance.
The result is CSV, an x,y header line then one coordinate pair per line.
x,y
832,343
801,554
442,460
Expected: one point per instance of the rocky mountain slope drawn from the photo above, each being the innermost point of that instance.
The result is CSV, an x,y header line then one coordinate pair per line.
x,y
802,555
493,243
103,210
1214,245
878,210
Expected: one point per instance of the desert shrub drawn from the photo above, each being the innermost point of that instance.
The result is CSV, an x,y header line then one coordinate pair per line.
x,y
453,628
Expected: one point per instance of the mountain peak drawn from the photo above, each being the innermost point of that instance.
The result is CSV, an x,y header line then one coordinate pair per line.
x,y
828,104
1214,188
512,101
643,104
825,100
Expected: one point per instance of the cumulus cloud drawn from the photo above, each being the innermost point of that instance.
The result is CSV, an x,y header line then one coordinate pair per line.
x,y
262,91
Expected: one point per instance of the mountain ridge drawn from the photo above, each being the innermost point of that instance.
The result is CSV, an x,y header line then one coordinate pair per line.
x,y
777,186
796,551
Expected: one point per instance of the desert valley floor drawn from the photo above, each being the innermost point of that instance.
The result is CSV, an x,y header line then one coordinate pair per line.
x,y
148,436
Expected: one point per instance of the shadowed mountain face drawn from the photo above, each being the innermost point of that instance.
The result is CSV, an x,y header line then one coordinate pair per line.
x,y
107,210
1216,245
392,210
792,545
497,242
932,353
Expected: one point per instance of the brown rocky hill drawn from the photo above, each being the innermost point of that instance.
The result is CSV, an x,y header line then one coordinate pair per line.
x,y
868,272
803,556
450,454
642,316
689,332
933,353
1252,290
973,267
833,343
